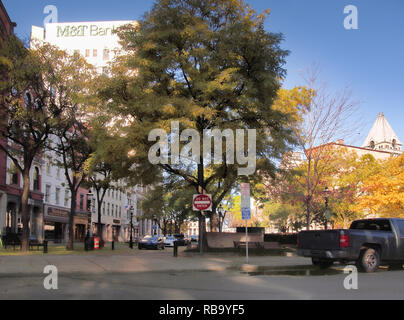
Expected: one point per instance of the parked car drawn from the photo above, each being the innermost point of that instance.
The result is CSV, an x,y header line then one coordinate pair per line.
x,y
169,241
368,243
151,242
180,238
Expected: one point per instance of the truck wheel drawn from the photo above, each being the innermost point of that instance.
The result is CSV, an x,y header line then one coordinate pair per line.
x,y
322,263
369,260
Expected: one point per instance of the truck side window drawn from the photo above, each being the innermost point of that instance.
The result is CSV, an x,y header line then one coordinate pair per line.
x,y
378,225
400,225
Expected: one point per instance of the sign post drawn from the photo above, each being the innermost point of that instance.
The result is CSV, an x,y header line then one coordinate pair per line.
x,y
245,211
202,202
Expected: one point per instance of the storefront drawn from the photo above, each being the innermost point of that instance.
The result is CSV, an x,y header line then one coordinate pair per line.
x,y
80,226
56,223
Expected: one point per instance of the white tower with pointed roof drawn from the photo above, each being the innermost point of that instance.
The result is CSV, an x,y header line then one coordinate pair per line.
x,y
382,137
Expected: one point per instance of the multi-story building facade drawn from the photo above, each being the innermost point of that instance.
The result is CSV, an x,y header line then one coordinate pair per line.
x,y
10,179
96,42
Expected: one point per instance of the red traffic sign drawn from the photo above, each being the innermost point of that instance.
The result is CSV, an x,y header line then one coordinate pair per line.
x,y
202,202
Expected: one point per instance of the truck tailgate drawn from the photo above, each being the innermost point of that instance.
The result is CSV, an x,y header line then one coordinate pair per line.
x,y
319,240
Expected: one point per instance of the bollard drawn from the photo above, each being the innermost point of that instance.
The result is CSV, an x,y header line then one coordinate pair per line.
x,y
175,249
113,245
45,246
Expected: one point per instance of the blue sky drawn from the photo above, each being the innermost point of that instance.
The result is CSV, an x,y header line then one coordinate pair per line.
x,y
370,59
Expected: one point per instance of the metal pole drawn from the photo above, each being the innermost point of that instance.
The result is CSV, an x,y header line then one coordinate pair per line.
x,y
246,241
131,231
201,235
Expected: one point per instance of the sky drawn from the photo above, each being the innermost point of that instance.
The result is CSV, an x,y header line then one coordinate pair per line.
x,y
369,59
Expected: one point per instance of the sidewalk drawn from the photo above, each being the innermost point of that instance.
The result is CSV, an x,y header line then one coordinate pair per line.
x,y
141,261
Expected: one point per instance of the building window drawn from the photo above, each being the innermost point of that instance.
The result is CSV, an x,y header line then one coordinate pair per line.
x,y
36,179
47,193
48,167
372,144
95,53
87,53
14,174
103,208
107,209
66,197
106,54
57,196
112,210
81,201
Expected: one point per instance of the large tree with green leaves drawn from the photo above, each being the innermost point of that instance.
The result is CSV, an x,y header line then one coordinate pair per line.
x,y
206,64
70,84
33,92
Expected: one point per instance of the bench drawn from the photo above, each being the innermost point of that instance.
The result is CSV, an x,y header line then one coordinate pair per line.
x,y
251,244
11,239
37,244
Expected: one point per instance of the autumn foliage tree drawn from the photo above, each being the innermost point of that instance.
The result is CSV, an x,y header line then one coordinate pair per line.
x,y
206,64
383,191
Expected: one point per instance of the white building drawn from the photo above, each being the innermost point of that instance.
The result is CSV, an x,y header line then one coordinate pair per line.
x,y
96,42
382,137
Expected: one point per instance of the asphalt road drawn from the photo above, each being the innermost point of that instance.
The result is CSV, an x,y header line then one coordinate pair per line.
x,y
208,285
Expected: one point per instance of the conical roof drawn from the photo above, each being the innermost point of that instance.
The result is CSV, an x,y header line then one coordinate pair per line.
x,y
381,132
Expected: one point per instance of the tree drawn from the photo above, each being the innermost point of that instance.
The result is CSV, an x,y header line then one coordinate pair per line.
x,y
108,164
283,216
168,204
206,64
70,86
329,116
30,108
346,185
383,191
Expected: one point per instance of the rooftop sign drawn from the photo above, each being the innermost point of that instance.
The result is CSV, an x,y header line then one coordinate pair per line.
x,y
84,30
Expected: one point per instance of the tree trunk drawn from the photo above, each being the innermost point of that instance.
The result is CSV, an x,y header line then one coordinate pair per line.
x,y
73,202
25,214
202,224
213,219
308,213
99,224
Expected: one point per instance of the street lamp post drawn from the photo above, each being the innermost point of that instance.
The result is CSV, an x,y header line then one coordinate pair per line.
x,y
90,198
131,228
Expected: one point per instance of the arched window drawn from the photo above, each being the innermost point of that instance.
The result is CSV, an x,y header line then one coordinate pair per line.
x,y
36,178
372,144
394,144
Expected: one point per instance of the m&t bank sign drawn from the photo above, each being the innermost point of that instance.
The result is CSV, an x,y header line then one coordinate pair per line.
x,y
84,30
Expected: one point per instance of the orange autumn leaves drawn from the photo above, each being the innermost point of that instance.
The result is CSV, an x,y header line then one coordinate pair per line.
x,y
383,192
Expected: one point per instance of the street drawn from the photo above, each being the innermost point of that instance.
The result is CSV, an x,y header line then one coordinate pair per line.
x,y
187,277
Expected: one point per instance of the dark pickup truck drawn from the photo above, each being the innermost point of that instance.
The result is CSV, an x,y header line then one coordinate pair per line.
x,y
368,243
